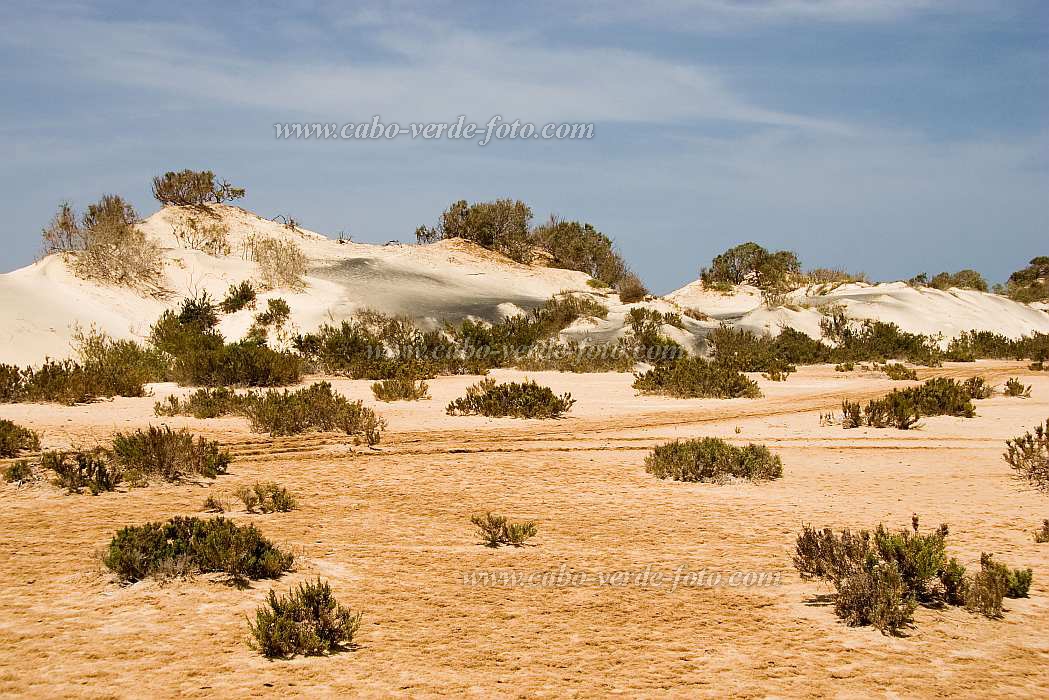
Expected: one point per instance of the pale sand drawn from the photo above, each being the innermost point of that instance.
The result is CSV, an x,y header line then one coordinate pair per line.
x,y
389,528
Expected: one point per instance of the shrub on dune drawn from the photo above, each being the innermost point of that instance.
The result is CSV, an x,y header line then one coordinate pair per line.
x,y
696,377
518,400
711,460
15,439
309,621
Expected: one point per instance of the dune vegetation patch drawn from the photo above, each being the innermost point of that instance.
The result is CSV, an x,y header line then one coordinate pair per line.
x,y
1028,455
713,460
15,439
696,377
517,400
308,621
902,408
496,530
401,389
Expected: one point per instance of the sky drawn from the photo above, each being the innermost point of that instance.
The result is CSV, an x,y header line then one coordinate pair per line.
x,y
885,136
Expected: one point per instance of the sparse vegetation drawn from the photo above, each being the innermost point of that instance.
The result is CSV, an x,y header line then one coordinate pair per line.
x,y
77,470
898,372
963,279
1028,455
15,439
193,545
713,460
518,400
978,388
496,530
209,237
282,264
213,504
239,296
406,389
203,403
1031,283
1042,536
1014,387
938,396
193,188
309,621
316,407
696,377
268,497
167,454
19,472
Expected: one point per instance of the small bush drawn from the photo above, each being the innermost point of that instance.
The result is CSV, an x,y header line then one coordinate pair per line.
x,y
307,621
19,472
193,188
239,296
902,408
875,596
898,372
631,289
1028,455
203,403
712,459
316,407
212,504
502,225
978,388
1042,536
170,455
844,367
1014,387
985,591
14,439
209,238
696,377
524,400
75,471
211,545
851,416
268,497
496,530
401,390
281,263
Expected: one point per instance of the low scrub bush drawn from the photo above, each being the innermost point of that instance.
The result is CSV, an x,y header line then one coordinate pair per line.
x,y
1031,283
851,414
19,472
963,279
120,368
750,263
502,226
15,439
212,504
1042,536
309,621
978,388
238,297
696,377
282,264
406,389
902,408
496,530
167,454
844,367
316,407
898,372
618,356
1028,455
193,188
1014,387
195,545
268,497
881,576
712,460
209,237
202,403
518,400
94,470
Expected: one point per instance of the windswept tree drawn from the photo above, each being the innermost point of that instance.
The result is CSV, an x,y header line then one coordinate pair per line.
x,y
193,188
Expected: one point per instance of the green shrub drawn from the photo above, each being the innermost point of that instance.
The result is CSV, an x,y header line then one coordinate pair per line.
x,y
696,377
618,356
202,403
14,439
75,471
875,596
212,504
938,396
496,530
1042,536
268,497
712,459
19,472
579,246
316,407
212,545
193,188
898,372
978,388
963,279
851,416
401,390
1031,283
844,367
749,263
1014,387
524,400
1028,455
307,621
167,454
985,590
502,225
239,296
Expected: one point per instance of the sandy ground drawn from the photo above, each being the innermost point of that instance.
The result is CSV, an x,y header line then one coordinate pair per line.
x,y
389,528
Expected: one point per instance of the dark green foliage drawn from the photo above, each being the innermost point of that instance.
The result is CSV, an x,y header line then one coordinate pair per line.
x,y
844,367
580,246
202,403
307,621
978,388
963,279
649,343
1042,536
75,471
851,415
18,472
876,340
193,188
316,407
619,356
502,225
975,345
212,545
954,583
902,408
712,459
898,372
167,454
268,497
14,439
199,313
120,371
1031,283
1014,387
696,377
239,296
277,313
401,390
1028,455
524,400
749,263
496,530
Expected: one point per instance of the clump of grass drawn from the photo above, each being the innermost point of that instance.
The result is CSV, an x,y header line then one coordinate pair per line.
x,y
519,400
239,296
712,460
1014,387
882,576
75,471
19,472
402,389
15,439
696,377
309,621
1042,536
193,544
496,530
168,454
268,497
1028,455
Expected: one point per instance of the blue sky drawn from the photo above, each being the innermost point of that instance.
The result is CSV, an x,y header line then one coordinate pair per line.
x,y
893,136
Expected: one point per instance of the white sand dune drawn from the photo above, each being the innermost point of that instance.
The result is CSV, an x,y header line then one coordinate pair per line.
x,y
42,304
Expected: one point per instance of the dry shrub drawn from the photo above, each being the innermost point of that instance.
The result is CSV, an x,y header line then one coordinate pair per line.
x,y
308,621
14,439
524,400
1014,387
406,389
1028,455
268,497
496,530
631,289
211,238
193,188
281,263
